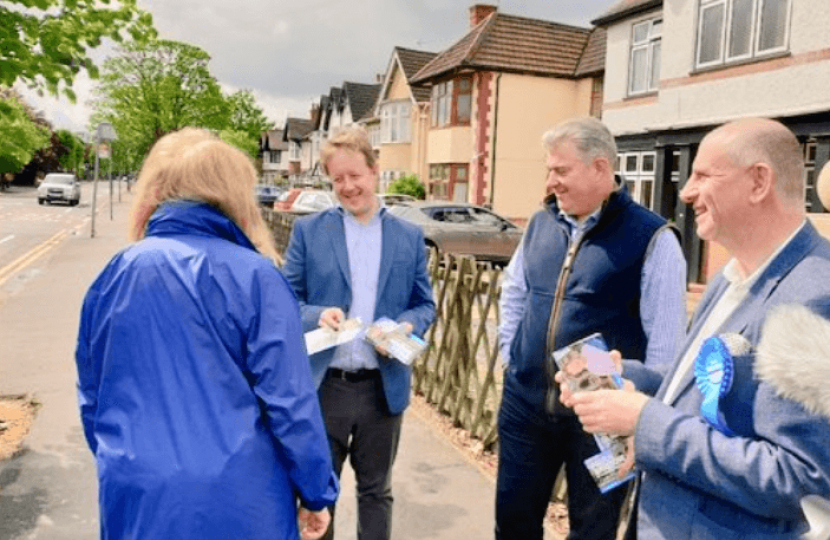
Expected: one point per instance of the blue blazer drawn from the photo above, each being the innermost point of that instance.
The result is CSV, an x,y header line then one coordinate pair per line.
x,y
699,483
317,266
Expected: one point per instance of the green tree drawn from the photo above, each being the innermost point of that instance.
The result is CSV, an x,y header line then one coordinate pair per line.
x,y
241,140
44,43
408,185
72,156
22,137
150,89
246,115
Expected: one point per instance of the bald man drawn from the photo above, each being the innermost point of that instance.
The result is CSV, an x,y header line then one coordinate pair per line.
x,y
726,461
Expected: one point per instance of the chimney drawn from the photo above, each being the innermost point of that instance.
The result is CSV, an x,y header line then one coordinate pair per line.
x,y
479,12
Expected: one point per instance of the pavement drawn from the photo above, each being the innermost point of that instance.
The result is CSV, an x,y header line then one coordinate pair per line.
x,y
49,491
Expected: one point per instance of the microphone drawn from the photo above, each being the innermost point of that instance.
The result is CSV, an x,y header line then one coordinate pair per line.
x,y
715,372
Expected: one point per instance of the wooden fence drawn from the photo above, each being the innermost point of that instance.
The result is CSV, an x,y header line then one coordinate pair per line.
x,y
461,372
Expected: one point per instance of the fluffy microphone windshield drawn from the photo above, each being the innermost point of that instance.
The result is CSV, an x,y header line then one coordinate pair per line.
x,y
794,356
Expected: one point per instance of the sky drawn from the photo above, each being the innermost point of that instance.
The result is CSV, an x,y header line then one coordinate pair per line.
x,y
289,52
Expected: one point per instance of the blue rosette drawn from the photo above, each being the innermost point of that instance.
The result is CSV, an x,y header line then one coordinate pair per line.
x,y
714,373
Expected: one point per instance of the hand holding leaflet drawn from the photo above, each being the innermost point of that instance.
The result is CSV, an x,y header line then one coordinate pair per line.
x,y
587,366
394,340
325,338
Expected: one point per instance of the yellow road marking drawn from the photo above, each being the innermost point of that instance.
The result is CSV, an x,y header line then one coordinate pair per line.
x,y
31,256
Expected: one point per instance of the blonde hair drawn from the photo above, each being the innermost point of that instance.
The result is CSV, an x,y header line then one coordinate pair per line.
x,y
196,165
355,139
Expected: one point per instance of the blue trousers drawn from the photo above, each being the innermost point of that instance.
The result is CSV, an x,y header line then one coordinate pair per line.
x,y
532,448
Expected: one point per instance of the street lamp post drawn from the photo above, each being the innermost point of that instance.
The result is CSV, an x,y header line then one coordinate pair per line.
x,y
105,132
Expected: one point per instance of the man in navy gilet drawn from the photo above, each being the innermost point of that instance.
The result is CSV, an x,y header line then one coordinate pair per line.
x,y
592,260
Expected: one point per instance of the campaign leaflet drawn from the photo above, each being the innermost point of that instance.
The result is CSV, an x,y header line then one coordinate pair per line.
x,y
587,366
392,337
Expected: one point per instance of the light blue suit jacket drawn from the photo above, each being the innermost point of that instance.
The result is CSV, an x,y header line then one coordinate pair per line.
x,y
701,484
317,266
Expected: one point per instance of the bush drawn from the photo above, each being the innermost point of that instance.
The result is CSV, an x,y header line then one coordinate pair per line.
x,y
408,185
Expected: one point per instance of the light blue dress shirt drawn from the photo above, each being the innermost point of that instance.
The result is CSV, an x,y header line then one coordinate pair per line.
x,y
363,245
662,296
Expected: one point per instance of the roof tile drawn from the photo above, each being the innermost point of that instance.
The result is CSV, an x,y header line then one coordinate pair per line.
x,y
511,43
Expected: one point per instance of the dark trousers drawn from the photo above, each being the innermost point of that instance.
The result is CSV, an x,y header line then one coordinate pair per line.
x,y
360,426
532,448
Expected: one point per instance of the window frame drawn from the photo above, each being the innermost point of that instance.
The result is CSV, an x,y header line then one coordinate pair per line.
x,y
444,102
395,122
724,35
651,72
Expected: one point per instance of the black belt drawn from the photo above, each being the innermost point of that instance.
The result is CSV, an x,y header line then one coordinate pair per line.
x,y
353,376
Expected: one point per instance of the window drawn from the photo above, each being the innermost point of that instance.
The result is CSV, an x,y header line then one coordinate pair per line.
x,y
449,179
394,122
274,156
452,102
812,203
735,30
638,173
294,151
644,68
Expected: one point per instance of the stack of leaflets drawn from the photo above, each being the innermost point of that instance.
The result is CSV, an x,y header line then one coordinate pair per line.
x,y
587,366
384,333
393,338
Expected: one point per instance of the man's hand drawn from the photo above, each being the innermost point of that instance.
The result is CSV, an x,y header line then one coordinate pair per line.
x,y
331,318
614,412
313,525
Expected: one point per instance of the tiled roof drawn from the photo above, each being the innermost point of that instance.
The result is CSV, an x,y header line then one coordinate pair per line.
x,y
626,8
297,128
361,97
272,140
411,62
514,44
593,58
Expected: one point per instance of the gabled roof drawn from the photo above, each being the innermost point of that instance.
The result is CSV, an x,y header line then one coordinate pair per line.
x,y
411,61
510,43
361,97
272,140
626,8
592,61
297,128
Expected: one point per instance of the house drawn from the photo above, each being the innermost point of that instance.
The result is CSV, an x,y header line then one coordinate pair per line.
x,y
342,107
295,136
675,69
493,94
274,154
399,122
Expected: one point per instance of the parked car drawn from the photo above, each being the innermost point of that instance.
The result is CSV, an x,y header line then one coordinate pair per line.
x,y
462,228
267,195
59,187
284,201
305,201
391,199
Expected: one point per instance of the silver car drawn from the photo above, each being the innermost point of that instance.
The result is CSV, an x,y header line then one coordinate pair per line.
x,y
313,200
59,187
462,228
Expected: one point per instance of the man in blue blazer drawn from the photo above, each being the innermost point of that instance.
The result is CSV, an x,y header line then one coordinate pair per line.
x,y
358,260
723,461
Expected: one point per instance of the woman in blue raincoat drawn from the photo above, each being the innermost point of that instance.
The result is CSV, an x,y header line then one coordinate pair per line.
x,y
195,390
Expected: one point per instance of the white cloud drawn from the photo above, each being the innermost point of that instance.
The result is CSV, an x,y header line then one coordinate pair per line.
x,y
289,53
